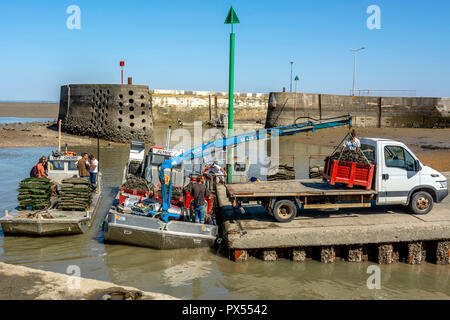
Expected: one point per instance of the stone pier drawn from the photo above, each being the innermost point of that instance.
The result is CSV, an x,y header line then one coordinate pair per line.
x,y
380,234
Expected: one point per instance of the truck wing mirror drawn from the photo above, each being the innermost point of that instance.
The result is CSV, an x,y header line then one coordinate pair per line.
x,y
417,166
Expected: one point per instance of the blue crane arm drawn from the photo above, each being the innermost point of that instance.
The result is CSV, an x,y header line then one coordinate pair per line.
x,y
206,149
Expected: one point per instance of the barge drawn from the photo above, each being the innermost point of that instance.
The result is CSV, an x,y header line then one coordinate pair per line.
x,y
53,221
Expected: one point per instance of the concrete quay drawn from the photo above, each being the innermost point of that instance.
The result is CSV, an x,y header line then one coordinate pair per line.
x,y
380,234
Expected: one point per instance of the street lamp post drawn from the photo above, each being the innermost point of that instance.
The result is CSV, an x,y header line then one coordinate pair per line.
x,y
290,89
295,101
354,66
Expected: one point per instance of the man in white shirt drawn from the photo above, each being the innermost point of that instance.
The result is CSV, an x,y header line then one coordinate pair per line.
x,y
352,143
216,172
93,170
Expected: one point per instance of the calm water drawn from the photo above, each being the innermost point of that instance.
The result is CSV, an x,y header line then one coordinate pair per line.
x,y
4,120
201,273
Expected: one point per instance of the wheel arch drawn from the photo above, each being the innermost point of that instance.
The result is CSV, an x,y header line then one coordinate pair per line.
x,y
427,188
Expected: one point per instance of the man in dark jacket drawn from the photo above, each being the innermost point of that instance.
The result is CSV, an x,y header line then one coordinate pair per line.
x,y
199,192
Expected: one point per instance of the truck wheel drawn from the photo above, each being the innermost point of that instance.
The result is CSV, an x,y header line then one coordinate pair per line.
x,y
421,202
284,210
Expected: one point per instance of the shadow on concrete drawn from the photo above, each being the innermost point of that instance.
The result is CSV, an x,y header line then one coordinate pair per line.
x,y
259,213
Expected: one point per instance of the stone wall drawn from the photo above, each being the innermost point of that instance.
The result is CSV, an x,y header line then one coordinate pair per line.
x,y
124,112
127,112
284,108
168,105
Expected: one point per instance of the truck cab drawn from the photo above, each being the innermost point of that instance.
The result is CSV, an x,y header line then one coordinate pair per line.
x,y
401,178
135,164
155,157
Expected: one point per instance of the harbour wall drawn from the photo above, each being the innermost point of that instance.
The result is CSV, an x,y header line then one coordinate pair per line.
x,y
284,108
169,105
128,112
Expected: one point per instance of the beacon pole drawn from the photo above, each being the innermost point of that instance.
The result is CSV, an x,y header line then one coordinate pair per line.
x,y
122,64
232,18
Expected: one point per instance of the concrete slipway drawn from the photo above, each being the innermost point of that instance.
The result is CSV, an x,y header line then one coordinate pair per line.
x,y
383,234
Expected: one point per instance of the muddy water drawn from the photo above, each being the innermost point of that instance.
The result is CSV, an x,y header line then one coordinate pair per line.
x,y
201,273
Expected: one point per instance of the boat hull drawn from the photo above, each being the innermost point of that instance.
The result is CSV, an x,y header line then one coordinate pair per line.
x,y
44,227
154,233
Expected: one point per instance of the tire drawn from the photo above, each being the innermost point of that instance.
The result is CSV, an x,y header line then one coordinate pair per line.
x,y
284,211
421,202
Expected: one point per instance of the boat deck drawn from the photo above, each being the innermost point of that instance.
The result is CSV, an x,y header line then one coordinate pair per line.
x,y
62,222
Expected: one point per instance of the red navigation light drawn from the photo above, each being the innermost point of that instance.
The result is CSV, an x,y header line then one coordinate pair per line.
x,y
122,63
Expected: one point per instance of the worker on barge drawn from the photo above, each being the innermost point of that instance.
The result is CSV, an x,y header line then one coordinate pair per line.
x,y
199,192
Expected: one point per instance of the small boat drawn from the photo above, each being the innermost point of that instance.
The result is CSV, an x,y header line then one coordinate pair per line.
x,y
53,221
146,229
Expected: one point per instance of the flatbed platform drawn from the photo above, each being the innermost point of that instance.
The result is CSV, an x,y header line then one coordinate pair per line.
x,y
305,187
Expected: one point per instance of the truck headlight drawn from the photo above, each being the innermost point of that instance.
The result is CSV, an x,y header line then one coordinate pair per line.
x,y
443,184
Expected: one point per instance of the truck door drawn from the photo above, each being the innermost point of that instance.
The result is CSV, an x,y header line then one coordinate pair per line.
x,y
398,174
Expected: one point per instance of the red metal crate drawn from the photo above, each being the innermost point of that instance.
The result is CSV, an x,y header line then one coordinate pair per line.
x,y
350,173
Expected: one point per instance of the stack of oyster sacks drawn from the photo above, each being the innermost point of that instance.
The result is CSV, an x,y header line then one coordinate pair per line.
x,y
136,183
284,172
34,193
75,194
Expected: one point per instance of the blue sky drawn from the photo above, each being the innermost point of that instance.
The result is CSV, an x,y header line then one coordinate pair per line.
x,y
184,45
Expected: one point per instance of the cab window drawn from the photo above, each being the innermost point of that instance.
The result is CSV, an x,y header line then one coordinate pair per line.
x,y
368,151
398,157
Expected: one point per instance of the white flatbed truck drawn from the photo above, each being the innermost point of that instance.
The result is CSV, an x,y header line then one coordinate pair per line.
x,y
399,179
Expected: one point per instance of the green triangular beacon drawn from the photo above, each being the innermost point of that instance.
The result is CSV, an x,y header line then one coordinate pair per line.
x,y
231,17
